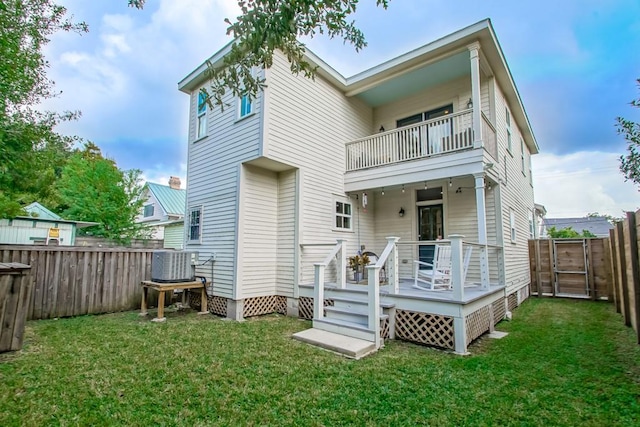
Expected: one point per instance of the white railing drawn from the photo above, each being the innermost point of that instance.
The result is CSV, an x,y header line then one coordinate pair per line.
x,y
432,137
489,137
336,255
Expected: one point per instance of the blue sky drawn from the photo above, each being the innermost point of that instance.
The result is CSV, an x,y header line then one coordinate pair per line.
x,y
575,63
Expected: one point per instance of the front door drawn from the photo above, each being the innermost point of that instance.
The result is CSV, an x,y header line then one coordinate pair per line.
x,y
430,227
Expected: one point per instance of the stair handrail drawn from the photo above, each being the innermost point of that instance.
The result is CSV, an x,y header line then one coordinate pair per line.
x,y
318,280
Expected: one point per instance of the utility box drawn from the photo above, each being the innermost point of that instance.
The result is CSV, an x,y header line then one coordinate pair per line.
x,y
173,266
15,294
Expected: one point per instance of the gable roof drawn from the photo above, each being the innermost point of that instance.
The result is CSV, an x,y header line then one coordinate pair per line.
x,y
597,225
172,200
36,210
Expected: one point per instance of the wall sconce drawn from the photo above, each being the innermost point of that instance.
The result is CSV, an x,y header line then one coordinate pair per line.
x,y
401,212
450,183
383,191
381,129
470,104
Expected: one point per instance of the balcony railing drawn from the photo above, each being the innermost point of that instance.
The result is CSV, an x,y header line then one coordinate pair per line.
x,y
445,134
489,137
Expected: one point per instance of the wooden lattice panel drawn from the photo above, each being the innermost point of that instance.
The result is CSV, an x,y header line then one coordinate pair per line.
x,y
257,306
384,328
280,305
424,328
216,305
499,310
477,323
305,307
512,301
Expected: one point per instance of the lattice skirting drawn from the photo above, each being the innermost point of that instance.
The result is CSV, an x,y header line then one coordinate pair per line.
x,y
499,310
257,306
478,322
305,307
216,305
424,328
384,328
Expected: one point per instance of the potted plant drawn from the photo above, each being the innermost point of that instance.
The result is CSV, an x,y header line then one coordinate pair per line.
x,y
357,264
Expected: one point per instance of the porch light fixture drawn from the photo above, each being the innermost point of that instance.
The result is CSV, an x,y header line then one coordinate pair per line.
x,y
470,104
381,129
383,191
425,185
402,191
488,186
401,212
450,183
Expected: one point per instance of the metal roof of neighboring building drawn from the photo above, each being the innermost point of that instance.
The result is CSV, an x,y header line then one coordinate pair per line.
x,y
597,225
172,200
36,210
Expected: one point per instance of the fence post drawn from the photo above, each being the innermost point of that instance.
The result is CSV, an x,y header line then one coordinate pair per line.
x,y
624,293
635,269
613,236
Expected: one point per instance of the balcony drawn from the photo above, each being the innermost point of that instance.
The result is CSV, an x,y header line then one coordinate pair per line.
x,y
447,134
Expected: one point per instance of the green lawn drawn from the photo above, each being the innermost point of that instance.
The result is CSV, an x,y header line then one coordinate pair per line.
x,y
563,363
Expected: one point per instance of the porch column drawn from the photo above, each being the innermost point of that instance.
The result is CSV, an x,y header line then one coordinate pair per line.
x,y
457,267
318,291
482,230
474,56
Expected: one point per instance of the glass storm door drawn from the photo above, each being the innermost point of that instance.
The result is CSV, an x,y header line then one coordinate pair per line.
x,y
430,227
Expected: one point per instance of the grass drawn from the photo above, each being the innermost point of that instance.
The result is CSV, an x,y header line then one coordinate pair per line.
x,y
563,363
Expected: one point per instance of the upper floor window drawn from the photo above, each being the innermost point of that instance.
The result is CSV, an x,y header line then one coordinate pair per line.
x,y
508,121
195,224
343,216
532,228
202,115
246,106
512,224
148,211
522,155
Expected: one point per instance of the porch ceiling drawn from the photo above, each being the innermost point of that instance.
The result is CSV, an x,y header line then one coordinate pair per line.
x,y
413,81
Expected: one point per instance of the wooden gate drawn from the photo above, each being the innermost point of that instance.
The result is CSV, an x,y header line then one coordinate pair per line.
x,y
578,268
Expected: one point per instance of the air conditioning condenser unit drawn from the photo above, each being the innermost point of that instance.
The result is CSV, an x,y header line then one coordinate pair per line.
x,y
171,266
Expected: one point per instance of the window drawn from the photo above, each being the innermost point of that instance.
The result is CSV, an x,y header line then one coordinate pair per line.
x,y
343,216
512,225
508,120
148,211
245,106
522,162
530,171
202,115
195,224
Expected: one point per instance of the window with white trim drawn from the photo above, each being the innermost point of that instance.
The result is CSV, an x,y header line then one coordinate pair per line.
x,y
512,224
202,115
343,215
245,106
148,211
522,161
195,224
508,120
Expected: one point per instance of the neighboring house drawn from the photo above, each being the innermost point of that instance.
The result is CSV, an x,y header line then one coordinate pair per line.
x,y
163,205
539,215
40,227
598,225
433,143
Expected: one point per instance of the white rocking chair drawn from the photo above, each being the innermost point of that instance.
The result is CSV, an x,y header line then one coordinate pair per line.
x,y
437,275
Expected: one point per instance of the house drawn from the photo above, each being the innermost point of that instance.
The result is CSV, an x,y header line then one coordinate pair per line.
x,y
597,225
539,215
430,148
164,205
40,227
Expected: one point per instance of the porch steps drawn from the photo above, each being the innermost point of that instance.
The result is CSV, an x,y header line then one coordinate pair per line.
x,y
358,316
350,347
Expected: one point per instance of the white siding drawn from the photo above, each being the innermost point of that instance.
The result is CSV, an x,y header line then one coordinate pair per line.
x,y
517,194
259,216
173,236
308,123
212,182
27,231
158,212
286,233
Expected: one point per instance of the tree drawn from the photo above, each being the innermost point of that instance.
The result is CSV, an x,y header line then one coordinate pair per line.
x,y
269,25
92,188
567,233
630,163
31,153
610,218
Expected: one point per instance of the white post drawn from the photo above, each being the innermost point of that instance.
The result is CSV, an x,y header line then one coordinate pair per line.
x,y
318,292
460,335
392,263
340,265
474,56
457,266
482,230
374,302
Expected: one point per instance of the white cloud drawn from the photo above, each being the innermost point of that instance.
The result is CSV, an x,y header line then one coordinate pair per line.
x,y
576,184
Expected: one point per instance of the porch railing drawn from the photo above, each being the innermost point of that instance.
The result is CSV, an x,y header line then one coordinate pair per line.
x,y
425,139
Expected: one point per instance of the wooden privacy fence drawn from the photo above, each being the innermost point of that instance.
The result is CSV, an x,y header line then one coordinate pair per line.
x,y
579,268
626,268
72,281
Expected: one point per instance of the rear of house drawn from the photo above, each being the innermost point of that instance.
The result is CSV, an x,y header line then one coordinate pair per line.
x,y
431,144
